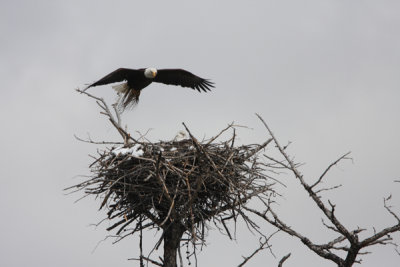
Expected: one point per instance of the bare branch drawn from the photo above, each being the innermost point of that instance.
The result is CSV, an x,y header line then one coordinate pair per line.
x,y
329,167
328,213
275,221
263,245
388,208
283,260
327,189
89,140
148,259
377,237
107,112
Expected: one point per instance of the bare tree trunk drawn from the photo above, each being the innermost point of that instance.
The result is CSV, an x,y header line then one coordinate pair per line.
x,y
172,237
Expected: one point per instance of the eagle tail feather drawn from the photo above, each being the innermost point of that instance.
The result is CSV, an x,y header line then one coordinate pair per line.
x,y
121,88
129,99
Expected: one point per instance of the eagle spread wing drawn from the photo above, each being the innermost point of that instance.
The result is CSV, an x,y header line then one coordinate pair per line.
x,y
118,75
183,78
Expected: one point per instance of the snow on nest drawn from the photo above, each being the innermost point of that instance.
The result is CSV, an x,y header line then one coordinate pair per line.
x,y
135,151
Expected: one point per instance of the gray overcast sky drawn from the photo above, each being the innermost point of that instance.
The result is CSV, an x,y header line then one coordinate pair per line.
x,y
323,74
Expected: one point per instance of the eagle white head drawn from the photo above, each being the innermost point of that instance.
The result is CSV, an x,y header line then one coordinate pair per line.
x,y
181,135
150,73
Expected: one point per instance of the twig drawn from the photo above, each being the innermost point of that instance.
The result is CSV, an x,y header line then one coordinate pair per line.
x,y
107,112
329,167
263,245
283,260
147,259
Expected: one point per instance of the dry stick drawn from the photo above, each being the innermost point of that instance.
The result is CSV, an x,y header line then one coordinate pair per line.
x,y
218,135
191,199
171,207
180,257
256,150
103,105
389,210
162,183
327,189
371,240
226,228
283,260
340,239
117,114
263,245
149,260
96,142
289,230
141,241
329,167
233,137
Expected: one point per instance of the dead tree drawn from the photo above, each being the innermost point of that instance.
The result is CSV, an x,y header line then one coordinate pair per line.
x,y
348,241
178,186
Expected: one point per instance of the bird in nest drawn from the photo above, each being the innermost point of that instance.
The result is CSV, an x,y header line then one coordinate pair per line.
x,y
134,80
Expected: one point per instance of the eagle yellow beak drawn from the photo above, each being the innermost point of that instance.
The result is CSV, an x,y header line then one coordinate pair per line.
x,y
154,73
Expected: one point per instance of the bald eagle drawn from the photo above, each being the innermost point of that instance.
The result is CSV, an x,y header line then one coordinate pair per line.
x,y
137,79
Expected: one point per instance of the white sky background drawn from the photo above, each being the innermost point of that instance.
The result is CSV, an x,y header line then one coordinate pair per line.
x,y
323,74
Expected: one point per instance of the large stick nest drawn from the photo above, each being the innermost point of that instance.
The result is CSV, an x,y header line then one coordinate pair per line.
x,y
186,182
